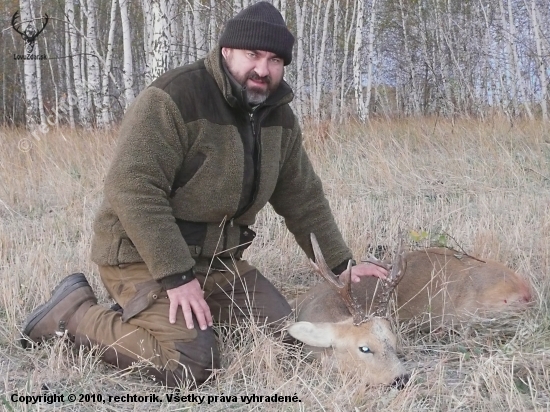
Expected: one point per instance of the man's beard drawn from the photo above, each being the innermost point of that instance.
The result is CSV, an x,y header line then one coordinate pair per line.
x,y
254,95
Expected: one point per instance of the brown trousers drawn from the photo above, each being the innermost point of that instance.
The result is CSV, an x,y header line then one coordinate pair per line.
x,y
172,353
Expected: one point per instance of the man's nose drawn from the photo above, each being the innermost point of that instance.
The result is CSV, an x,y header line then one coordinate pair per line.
x,y
262,68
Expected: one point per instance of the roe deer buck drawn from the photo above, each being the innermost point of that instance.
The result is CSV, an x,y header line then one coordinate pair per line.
x,y
364,341
437,285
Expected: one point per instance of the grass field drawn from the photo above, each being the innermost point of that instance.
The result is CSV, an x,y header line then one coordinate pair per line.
x,y
485,185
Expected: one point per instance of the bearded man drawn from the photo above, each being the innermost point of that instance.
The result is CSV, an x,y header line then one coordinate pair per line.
x,y
201,151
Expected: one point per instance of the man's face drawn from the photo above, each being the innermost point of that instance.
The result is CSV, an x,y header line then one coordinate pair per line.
x,y
259,71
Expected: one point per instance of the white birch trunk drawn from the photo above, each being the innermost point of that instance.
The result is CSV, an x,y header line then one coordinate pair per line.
x,y
175,30
535,19
320,65
94,79
510,79
41,112
370,57
147,8
281,6
357,69
83,63
29,69
413,77
160,55
77,72
128,70
68,101
186,42
345,60
517,64
282,9
213,29
334,102
38,63
237,6
312,61
53,108
105,107
444,69
300,17
200,29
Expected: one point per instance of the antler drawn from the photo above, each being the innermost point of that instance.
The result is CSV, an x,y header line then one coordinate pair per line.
x,y
397,271
14,23
43,25
342,288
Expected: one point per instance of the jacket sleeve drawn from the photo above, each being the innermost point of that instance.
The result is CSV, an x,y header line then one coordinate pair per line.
x,y
151,149
300,199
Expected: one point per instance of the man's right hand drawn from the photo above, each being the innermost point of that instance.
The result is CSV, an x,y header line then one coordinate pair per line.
x,y
191,299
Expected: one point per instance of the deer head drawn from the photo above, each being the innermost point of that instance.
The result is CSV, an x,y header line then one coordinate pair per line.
x,y
362,341
30,33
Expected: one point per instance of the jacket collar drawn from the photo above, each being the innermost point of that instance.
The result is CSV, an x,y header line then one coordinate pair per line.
x,y
233,92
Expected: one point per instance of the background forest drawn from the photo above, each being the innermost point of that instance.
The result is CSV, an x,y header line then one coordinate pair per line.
x,y
424,115
352,58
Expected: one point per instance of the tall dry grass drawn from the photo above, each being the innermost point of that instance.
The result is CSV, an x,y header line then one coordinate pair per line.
x,y
485,184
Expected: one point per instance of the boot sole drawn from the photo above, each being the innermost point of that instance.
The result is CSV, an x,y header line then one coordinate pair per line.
x,y
65,287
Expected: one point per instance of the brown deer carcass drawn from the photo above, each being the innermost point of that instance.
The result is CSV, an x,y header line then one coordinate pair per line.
x,y
332,321
439,286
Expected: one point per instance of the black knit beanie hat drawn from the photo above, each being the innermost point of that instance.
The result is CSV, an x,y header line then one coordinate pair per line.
x,y
259,27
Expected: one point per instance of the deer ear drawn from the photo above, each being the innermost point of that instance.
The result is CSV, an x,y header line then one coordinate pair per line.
x,y
320,335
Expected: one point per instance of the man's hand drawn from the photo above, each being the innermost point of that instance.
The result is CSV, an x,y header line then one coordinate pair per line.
x,y
364,269
190,298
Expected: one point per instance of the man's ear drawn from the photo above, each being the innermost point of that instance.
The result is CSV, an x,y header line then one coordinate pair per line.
x,y
225,52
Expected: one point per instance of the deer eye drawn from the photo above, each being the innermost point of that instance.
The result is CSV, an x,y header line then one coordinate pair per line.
x,y
364,349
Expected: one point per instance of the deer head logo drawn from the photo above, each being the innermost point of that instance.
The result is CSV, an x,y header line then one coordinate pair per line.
x,y
30,33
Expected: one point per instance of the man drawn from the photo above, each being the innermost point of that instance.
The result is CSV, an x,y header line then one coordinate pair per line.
x,y
201,151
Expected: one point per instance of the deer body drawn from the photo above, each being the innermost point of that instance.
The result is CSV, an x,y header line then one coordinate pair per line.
x,y
437,285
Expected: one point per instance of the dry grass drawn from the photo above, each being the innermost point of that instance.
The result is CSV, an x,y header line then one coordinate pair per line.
x,y
486,184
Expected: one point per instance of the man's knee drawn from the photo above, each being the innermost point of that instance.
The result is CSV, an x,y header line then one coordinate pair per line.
x,y
197,359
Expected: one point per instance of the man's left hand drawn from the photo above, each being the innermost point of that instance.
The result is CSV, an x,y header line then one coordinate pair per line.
x,y
364,269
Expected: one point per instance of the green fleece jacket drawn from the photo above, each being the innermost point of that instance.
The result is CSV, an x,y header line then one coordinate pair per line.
x,y
180,158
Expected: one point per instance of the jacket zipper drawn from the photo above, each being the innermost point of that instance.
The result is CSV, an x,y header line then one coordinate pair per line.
x,y
258,142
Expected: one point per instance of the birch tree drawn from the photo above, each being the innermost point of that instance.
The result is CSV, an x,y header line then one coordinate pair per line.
x,y
357,71
345,60
541,69
334,104
370,58
300,21
128,70
94,79
105,107
320,65
160,62
519,78
79,85
200,29
29,68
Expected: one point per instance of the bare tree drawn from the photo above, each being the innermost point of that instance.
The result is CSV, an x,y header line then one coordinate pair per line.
x,y
128,71
105,107
541,52
27,27
94,79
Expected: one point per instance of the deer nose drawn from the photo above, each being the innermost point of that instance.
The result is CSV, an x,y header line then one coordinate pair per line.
x,y
400,381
